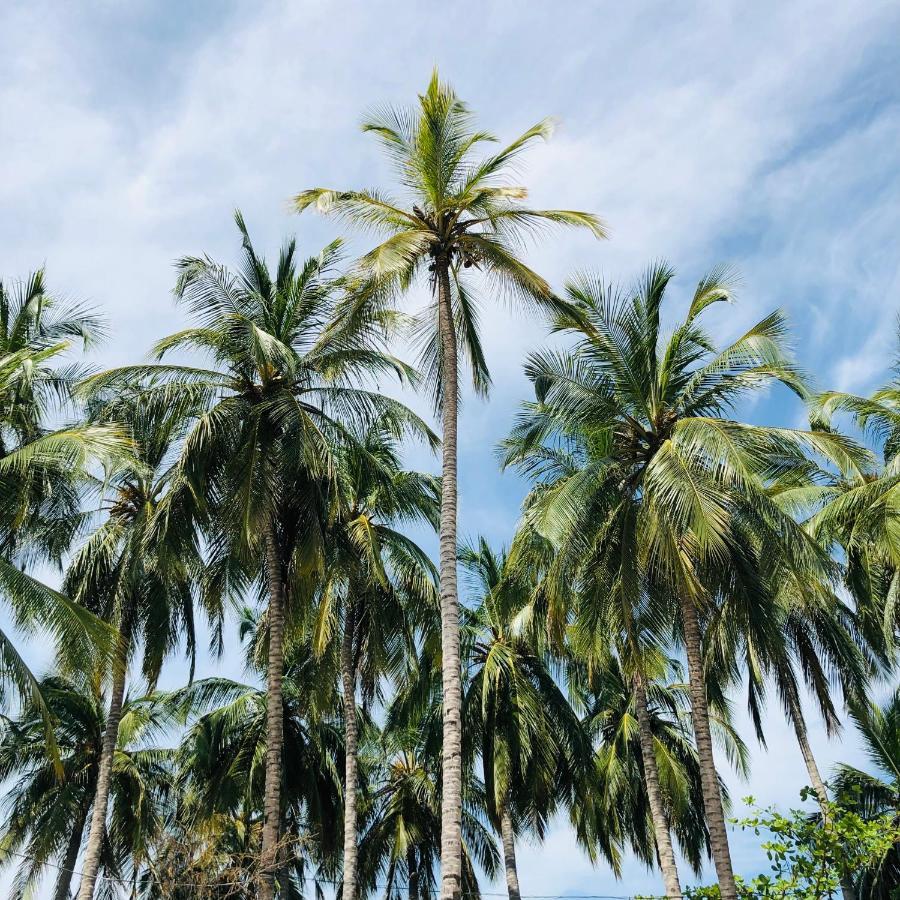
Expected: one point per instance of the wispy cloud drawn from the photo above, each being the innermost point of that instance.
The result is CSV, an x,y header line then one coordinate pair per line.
x,y
761,134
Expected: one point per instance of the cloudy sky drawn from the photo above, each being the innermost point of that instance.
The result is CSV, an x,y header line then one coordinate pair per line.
x,y
763,135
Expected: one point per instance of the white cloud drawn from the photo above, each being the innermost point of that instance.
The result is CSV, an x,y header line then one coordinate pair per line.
x,y
763,134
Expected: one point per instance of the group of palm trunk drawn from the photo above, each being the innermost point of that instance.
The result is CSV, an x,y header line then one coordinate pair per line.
x,y
656,524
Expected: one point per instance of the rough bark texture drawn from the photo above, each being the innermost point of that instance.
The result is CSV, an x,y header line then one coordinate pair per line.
x,y
348,678
451,798
508,837
712,796
274,719
654,794
815,778
91,865
67,866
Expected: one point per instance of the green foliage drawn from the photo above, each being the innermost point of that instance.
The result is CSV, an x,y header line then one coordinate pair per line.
x,y
46,810
810,855
271,464
460,207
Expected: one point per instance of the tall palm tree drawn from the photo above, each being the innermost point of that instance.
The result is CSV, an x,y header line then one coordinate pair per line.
x,y
42,473
134,576
381,582
622,802
46,813
631,438
877,794
222,767
401,837
459,212
288,350
530,741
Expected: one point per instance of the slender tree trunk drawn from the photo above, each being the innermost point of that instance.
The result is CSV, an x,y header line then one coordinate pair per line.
x,y
815,778
508,837
654,795
274,719
451,797
412,873
91,865
67,867
348,677
712,795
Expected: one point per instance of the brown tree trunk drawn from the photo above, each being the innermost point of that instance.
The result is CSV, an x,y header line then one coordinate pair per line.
x,y
274,718
67,867
654,794
97,832
508,837
451,797
712,796
412,873
348,677
815,778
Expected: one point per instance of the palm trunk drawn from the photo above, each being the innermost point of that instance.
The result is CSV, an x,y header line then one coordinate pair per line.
x,y
274,719
104,776
709,781
451,796
508,836
348,677
412,873
67,868
654,795
815,778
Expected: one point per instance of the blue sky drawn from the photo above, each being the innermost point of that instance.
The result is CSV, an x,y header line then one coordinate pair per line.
x,y
764,135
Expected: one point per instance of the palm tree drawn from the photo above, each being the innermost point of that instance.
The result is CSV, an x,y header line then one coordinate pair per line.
x,y
798,638
631,442
135,576
855,510
47,813
42,473
381,581
288,352
872,795
530,741
402,817
459,213
622,802
222,770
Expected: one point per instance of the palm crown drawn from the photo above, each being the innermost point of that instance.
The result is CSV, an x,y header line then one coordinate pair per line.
x,y
459,208
648,486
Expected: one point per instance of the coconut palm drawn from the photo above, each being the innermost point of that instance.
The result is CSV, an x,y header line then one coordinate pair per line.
x,y
622,801
42,473
798,638
401,840
135,576
858,512
46,812
529,739
288,351
876,794
810,639
631,438
459,213
380,583
222,765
